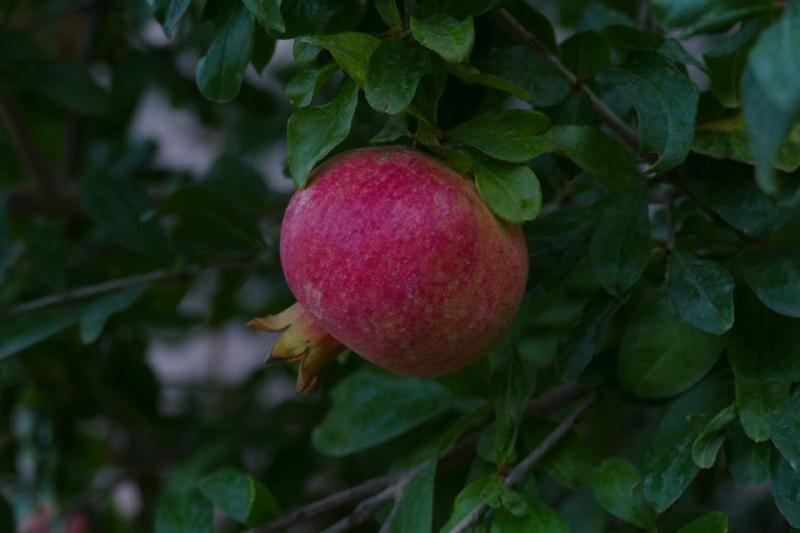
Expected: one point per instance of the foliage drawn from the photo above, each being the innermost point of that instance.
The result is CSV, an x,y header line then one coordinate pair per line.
x,y
657,178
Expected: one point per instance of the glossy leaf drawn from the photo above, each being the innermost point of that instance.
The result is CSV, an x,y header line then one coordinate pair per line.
x,y
748,461
617,487
512,383
471,75
304,85
97,313
538,518
220,72
765,356
176,9
313,132
22,332
620,246
389,13
774,275
786,433
771,92
241,496
543,84
585,339
414,508
351,50
370,408
450,38
508,135
711,439
716,522
668,466
267,13
786,491
393,73
665,100
512,192
661,355
470,497
702,292
188,512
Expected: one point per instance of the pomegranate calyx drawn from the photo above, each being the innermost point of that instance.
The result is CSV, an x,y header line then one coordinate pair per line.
x,y
303,341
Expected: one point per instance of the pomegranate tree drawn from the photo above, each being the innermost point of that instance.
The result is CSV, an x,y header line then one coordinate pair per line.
x,y
393,254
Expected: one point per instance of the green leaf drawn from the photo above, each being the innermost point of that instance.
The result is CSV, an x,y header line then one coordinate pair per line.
x,y
512,384
221,71
771,92
620,246
665,100
748,461
370,408
726,15
617,487
507,135
122,207
660,354
728,189
471,75
470,497
22,332
726,64
393,74
267,13
539,518
450,38
97,313
786,433
702,292
559,241
668,464
512,192
786,491
387,9
601,155
304,85
543,84
396,127
313,132
773,273
585,338
351,50
571,463
765,355
241,496
263,50
176,9
187,512
71,87
709,442
716,522
414,508
727,139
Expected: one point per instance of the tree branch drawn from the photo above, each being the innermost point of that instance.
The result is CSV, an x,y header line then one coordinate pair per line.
x,y
546,403
521,34
87,291
519,472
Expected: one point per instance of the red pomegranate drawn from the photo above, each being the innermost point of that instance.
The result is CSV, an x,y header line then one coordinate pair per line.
x,y
394,255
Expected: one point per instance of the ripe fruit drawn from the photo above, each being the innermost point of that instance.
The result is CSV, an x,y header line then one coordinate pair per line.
x,y
393,254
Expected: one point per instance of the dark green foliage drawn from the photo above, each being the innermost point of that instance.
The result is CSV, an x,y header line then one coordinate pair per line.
x,y
147,148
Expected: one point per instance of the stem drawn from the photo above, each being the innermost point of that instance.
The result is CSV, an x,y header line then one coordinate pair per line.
x,y
519,472
87,291
522,35
546,403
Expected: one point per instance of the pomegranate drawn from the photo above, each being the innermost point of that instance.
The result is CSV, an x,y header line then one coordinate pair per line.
x,y
393,254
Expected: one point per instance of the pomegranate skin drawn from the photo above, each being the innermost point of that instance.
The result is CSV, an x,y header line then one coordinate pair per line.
x,y
396,256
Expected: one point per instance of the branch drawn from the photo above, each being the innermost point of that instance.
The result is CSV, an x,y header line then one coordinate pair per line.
x,y
546,403
87,291
521,34
334,501
365,509
22,141
519,472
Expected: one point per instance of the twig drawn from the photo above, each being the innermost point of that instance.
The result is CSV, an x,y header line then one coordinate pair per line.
x,y
22,141
522,35
519,472
549,401
365,509
334,501
88,291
